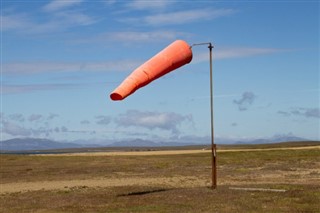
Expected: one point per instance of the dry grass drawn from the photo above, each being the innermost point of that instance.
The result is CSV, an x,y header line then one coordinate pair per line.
x,y
175,152
161,183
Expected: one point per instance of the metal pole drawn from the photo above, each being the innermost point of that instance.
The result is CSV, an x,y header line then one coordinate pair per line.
x,y
213,145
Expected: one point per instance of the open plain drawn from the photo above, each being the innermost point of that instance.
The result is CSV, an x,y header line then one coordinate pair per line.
x,y
255,178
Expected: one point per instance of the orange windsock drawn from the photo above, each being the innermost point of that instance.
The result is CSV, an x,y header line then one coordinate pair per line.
x,y
172,57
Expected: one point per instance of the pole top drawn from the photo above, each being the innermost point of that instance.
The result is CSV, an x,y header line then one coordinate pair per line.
x,y
210,46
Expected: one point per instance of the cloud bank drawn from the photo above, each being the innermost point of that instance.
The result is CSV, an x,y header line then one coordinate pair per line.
x,y
151,120
245,101
302,111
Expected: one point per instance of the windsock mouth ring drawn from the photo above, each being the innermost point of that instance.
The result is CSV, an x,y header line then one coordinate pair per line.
x,y
116,96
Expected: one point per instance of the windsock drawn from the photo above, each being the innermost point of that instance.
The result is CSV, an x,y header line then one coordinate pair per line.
x,y
170,58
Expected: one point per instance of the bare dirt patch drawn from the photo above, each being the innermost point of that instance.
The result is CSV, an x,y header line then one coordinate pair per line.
x,y
172,182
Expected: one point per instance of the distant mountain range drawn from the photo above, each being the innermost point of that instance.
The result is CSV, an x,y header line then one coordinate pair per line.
x,y
26,144
146,143
274,139
34,144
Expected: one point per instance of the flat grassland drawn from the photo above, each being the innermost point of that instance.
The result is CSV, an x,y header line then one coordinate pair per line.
x,y
255,178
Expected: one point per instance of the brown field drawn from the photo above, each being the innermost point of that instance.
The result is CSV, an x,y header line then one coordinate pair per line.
x,y
255,178
173,152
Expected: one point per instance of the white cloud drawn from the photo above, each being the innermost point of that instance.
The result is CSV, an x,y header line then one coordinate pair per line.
x,y
310,112
302,111
85,122
64,129
121,65
14,129
244,52
103,120
17,117
136,36
24,24
43,67
151,120
234,52
14,89
146,5
36,125
245,101
180,17
110,2
52,116
28,68
60,22
60,4
59,16
73,18
64,15
125,65
13,22
35,117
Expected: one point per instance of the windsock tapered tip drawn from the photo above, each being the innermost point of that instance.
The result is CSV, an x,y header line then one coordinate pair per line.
x,y
116,96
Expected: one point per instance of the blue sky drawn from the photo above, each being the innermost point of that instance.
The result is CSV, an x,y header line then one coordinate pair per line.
x,y
61,59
